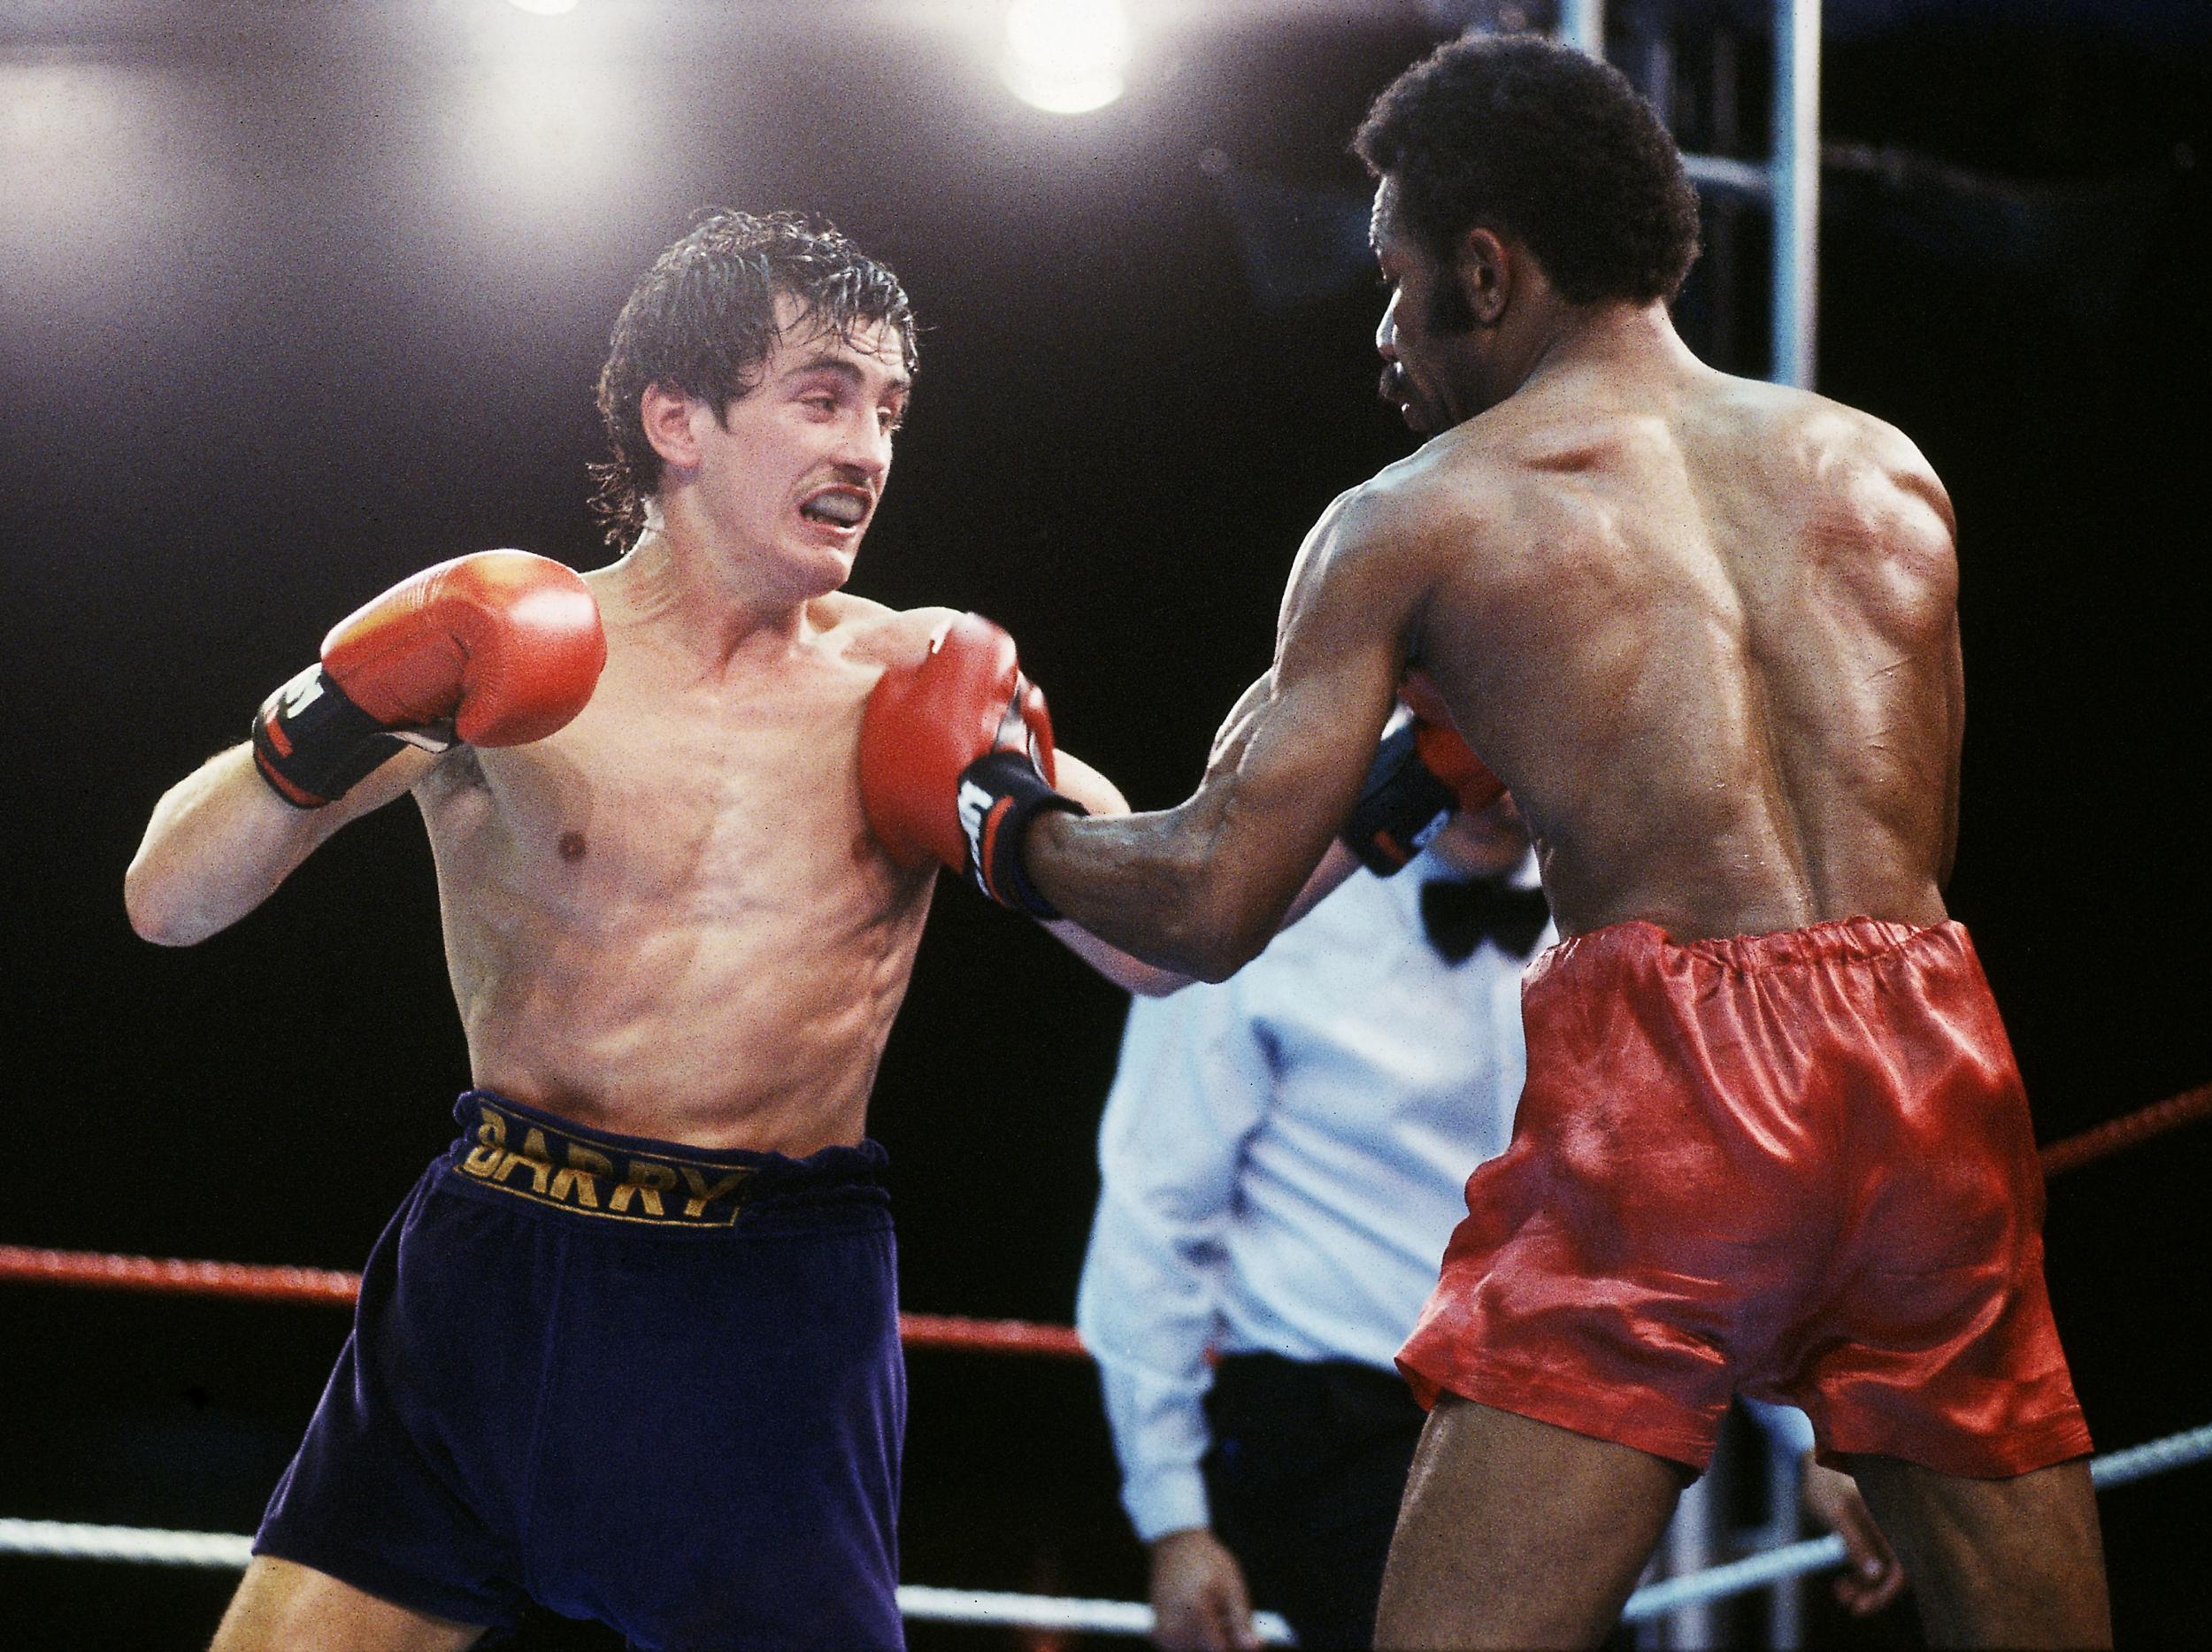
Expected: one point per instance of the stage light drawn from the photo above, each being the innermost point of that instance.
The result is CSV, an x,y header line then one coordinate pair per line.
x,y
109,187
548,126
1066,57
544,7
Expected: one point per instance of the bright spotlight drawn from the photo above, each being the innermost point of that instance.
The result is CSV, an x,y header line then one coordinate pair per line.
x,y
1066,57
544,7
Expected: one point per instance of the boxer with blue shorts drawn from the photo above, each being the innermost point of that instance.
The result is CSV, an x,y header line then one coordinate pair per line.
x,y
502,1426
630,1349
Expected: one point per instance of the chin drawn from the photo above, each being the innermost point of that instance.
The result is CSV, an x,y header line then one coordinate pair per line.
x,y
803,572
837,571
1422,419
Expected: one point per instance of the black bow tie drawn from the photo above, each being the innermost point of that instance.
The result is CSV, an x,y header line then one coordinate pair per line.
x,y
1458,914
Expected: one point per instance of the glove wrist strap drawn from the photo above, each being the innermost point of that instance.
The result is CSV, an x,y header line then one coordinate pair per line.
x,y
1401,805
1000,795
312,744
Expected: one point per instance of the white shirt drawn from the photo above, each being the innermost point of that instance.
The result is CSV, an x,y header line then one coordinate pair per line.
x,y
1282,1158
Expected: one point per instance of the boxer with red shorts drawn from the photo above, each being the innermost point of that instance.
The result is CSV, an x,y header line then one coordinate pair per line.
x,y
1706,630
1800,1164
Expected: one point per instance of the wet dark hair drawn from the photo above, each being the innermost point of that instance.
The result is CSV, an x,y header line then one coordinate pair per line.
x,y
1537,140
703,320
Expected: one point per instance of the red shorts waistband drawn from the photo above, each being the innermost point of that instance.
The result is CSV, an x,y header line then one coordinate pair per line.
x,y
1839,940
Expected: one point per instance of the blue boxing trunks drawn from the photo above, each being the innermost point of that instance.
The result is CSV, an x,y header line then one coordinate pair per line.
x,y
632,1381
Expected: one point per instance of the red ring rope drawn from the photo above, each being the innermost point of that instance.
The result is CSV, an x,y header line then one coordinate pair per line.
x,y
264,1283
2126,1130
97,1270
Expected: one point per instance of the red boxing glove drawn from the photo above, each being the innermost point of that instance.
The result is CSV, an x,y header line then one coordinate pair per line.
x,y
1452,761
1448,756
955,760
1423,773
498,648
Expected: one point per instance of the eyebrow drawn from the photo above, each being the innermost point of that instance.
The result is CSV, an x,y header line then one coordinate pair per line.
x,y
824,362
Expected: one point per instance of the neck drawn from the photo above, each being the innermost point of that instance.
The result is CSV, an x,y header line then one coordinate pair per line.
x,y
697,605
1613,334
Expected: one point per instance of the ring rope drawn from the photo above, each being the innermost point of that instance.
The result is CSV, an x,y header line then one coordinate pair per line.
x,y
1819,1553
2126,1131
259,1282
62,1539
97,1270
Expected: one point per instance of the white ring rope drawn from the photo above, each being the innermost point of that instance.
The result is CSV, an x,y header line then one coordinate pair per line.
x,y
1053,1611
62,1539
66,1540
1792,1560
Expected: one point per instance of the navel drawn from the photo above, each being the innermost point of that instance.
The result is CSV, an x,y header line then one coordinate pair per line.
x,y
572,846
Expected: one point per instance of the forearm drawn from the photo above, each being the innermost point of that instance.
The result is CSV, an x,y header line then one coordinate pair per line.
x,y
1149,1316
1101,796
219,844
1155,886
1160,1440
1149,981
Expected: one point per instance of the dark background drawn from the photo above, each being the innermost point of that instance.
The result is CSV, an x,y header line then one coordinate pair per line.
x,y
292,304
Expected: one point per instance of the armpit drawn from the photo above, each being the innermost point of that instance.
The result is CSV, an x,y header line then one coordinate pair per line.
x,y
459,770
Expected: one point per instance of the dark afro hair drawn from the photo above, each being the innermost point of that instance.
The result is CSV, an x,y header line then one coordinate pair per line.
x,y
1536,140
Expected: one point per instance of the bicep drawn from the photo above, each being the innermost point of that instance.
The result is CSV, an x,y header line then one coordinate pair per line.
x,y
220,842
1300,741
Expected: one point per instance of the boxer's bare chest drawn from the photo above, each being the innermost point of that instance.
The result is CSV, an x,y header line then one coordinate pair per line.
x,y
671,917
726,801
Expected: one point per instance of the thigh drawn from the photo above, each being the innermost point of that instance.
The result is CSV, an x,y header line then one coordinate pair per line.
x,y
403,1484
283,1607
2012,1562
723,1460
1515,1533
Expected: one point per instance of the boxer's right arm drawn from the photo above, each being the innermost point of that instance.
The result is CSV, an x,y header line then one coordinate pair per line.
x,y
1201,888
500,649
220,842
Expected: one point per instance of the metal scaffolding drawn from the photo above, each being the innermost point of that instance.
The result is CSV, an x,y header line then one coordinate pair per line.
x,y
1788,186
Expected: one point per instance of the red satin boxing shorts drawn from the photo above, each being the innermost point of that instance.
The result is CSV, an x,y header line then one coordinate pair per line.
x,y
1797,1166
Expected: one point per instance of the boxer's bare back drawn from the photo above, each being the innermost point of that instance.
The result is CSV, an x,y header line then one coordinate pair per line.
x,y
1707,629
1704,628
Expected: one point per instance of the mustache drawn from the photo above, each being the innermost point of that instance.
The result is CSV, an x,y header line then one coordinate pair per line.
x,y
1392,386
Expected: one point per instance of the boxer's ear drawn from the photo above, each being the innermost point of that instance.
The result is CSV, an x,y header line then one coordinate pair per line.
x,y
666,413
1484,268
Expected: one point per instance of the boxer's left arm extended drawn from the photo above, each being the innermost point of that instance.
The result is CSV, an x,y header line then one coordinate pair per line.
x,y
1201,888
